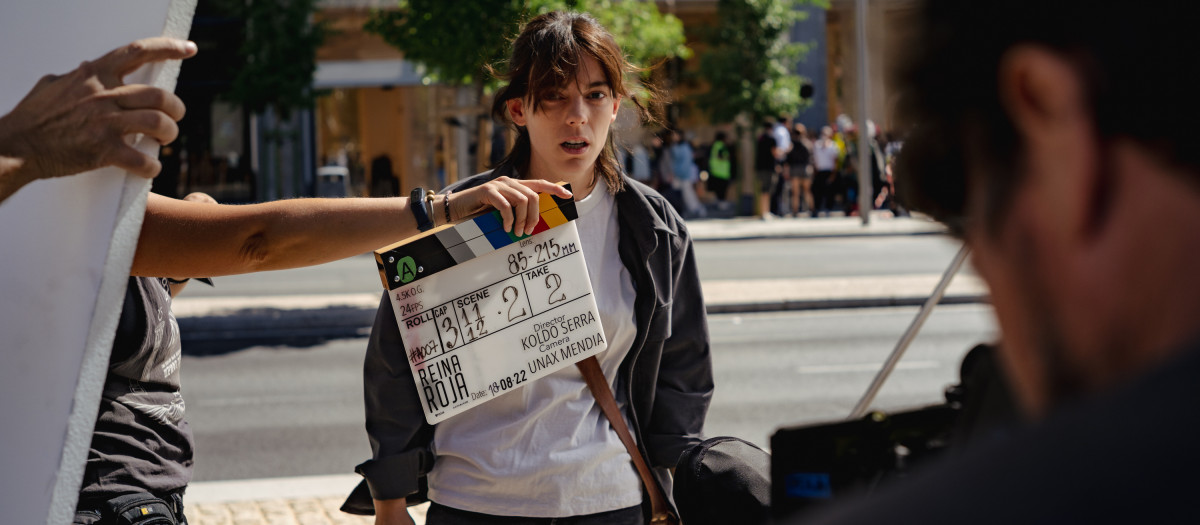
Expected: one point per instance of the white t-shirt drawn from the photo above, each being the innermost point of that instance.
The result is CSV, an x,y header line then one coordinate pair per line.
x,y
546,449
825,155
783,140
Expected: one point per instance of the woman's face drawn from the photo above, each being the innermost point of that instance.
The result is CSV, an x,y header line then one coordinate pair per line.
x,y
569,128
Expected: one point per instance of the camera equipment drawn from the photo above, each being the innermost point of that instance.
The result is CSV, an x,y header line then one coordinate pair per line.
x,y
814,464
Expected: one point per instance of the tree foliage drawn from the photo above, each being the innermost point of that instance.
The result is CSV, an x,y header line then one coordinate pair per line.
x,y
749,61
279,51
456,40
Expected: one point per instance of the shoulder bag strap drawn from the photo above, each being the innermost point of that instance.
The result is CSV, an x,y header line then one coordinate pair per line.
x,y
590,368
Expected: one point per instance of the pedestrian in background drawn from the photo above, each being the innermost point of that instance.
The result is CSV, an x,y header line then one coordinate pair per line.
x,y
720,170
800,170
639,164
766,167
687,175
783,148
825,161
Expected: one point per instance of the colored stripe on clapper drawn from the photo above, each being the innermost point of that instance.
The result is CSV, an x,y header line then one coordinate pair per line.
x,y
464,241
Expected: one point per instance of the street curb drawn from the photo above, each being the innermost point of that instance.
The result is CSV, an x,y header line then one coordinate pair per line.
x,y
290,327
748,229
811,235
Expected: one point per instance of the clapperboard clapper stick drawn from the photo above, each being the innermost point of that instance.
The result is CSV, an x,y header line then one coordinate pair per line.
x,y
482,311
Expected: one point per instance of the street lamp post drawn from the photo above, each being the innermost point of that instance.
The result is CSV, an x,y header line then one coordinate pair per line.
x,y
864,140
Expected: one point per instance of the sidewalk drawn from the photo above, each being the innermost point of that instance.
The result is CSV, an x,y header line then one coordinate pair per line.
x,y
304,500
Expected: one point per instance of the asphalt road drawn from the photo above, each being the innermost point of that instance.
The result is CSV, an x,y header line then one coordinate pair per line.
x,y
747,259
271,412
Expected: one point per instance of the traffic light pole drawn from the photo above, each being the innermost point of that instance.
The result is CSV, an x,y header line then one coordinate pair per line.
x,y
865,200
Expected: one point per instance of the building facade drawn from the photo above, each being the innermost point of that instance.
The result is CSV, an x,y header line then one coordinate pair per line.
x,y
391,131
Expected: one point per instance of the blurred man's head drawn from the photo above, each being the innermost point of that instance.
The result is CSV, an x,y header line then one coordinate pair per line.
x,y
1057,138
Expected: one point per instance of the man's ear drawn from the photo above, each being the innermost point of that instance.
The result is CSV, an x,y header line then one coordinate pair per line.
x,y
516,111
1045,97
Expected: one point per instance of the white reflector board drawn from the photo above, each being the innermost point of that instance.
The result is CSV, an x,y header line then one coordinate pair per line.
x,y
66,247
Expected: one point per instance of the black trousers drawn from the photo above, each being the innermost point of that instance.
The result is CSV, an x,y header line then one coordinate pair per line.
x,y
824,189
443,515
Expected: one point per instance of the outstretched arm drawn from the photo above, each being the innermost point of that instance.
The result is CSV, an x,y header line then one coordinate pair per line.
x,y
196,239
78,122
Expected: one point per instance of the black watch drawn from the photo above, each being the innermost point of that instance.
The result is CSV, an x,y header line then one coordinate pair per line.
x,y
420,211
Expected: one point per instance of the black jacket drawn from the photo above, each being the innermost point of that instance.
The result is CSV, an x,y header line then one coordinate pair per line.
x,y
666,378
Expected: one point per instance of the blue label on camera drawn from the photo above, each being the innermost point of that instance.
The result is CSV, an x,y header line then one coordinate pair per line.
x,y
810,485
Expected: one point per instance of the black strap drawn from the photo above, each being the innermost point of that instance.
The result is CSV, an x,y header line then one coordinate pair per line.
x,y
594,377
420,211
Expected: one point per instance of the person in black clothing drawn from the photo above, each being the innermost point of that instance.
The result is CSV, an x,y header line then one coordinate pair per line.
x,y
800,170
1066,160
765,167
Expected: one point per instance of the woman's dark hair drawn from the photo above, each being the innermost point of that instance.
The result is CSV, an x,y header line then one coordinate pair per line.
x,y
1137,66
545,57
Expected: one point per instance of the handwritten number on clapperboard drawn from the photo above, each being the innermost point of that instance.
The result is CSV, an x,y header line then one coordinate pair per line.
x,y
547,251
504,295
449,327
478,330
557,283
517,262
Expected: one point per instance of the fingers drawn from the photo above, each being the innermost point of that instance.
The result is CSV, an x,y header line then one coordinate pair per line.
x,y
496,198
139,96
520,210
134,161
541,186
524,201
123,60
516,200
149,122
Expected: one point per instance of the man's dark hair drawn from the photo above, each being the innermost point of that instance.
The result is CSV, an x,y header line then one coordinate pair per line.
x,y
1138,62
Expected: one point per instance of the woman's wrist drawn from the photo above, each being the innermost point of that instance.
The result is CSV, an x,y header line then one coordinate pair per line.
x,y
421,208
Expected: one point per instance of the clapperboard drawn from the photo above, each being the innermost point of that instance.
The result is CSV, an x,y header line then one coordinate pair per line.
x,y
482,311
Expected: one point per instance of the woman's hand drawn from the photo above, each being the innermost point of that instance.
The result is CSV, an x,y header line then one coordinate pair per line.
x,y
392,512
517,201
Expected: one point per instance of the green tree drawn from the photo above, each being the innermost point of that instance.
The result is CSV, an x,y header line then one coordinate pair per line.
x,y
274,80
455,41
748,64
279,53
452,40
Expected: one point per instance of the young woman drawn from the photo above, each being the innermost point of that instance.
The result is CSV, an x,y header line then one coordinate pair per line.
x,y
546,451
